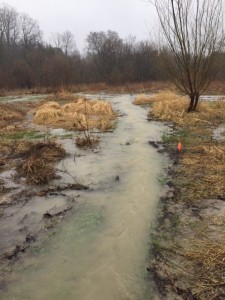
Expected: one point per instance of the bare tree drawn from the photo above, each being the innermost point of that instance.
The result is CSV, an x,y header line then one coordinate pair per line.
x,y
65,41
30,31
193,34
146,59
105,48
9,25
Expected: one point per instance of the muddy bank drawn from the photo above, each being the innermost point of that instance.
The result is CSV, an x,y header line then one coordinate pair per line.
x,y
29,197
37,192
187,244
100,252
187,250
32,218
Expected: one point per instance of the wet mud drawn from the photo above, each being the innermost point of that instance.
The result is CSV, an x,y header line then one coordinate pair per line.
x,y
87,231
186,236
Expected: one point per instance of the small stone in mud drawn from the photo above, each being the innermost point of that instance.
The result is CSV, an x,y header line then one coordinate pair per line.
x,y
221,198
95,151
47,216
30,238
13,252
170,183
154,144
56,211
161,150
23,229
57,194
117,178
2,163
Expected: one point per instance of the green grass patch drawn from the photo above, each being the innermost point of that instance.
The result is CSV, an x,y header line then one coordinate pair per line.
x,y
65,136
182,136
162,179
23,135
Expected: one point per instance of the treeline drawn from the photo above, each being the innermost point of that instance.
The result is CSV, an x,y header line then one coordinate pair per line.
x,y
27,61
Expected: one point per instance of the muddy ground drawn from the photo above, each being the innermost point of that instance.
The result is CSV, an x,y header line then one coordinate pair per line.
x,y
36,192
187,244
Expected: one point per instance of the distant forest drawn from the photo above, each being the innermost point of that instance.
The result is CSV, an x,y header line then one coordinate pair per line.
x,y
27,61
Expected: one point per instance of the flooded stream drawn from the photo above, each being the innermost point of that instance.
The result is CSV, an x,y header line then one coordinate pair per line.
x,y
101,252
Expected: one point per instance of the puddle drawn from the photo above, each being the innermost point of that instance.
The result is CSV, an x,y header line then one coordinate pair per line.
x,y
219,133
101,252
212,97
27,98
25,218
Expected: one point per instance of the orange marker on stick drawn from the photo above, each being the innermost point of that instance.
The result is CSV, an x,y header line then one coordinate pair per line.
x,y
179,147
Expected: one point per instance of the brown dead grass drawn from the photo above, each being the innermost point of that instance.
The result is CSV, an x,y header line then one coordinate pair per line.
x,y
62,96
9,114
168,106
80,114
12,149
37,163
148,86
200,175
32,160
202,172
142,99
209,256
202,169
87,142
217,87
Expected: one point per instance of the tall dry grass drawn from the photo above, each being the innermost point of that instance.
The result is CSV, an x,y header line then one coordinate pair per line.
x,y
142,99
37,164
199,175
10,114
209,256
80,114
168,106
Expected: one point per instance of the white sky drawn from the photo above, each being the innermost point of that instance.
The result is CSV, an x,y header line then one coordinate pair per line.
x,y
135,17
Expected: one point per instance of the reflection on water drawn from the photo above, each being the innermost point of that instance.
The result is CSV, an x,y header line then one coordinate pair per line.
x,y
100,254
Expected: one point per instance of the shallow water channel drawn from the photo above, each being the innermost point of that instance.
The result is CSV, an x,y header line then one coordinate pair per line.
x,y
101,252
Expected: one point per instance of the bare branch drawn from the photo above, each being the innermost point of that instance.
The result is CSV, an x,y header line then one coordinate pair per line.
x,y
193,33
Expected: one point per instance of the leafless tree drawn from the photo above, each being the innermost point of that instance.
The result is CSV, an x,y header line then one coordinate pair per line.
x,y
30,31
65,41
193,35
146,59
105,48
9,25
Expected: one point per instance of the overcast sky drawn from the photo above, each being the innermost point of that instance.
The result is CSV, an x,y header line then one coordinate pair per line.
x,y
134,17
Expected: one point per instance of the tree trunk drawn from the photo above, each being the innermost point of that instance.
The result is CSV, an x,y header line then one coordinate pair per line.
x,y
196,102
193,102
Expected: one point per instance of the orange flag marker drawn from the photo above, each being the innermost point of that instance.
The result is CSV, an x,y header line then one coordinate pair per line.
x,y
179,146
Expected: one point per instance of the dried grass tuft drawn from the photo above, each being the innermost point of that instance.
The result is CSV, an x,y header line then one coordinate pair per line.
x,y
205,165
14,148
209,256
81,114
9,114
142,99
199,175
36,171
205,179
84,142
37,164
169,106
62,96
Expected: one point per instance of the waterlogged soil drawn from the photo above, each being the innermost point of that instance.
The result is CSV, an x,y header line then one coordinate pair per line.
x,y
187,243
85,236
